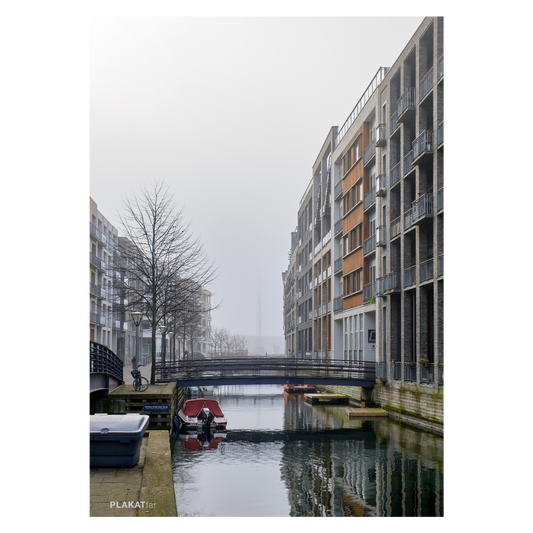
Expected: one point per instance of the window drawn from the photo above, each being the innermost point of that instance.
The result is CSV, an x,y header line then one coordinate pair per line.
x,y
353,282
353,239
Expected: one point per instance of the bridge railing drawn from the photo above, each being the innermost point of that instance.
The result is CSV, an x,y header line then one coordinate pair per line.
x,y
105,361
264,367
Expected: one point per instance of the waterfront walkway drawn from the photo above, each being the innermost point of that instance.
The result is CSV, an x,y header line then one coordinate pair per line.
x,y
146,489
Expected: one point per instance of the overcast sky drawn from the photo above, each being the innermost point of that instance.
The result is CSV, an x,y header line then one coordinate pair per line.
x,y
232,113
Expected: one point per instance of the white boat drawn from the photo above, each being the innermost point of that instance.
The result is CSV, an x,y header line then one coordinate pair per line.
x,y
201,414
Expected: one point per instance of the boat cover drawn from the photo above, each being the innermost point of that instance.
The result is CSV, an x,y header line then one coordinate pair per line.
x,y
193,407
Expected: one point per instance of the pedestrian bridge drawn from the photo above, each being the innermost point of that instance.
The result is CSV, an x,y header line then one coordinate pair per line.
x,y
266,370
106,369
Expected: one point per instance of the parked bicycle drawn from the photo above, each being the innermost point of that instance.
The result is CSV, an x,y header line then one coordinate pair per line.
x,y
140,383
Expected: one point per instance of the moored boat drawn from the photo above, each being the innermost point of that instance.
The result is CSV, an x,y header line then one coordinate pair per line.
x,y
201,414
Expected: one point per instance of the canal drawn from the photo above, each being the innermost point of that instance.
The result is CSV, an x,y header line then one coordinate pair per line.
x,y
282,457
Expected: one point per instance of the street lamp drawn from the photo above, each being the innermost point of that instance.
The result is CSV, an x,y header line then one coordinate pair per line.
x,y
163,347
136,317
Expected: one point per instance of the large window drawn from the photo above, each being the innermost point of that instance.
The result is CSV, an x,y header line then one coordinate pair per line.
x,y
353,239
353,196
353,282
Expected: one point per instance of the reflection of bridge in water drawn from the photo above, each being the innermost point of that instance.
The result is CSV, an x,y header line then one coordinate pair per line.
x,y
266,370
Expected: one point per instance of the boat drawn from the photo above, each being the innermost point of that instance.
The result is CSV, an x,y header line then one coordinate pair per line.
x,y
201,414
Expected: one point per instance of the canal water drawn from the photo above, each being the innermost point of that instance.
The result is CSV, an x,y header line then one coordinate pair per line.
x,y
282,457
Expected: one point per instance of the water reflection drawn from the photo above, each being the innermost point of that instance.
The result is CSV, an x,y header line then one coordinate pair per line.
x,y
284,457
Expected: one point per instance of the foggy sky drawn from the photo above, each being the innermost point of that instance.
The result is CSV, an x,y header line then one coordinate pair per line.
x,y
232,112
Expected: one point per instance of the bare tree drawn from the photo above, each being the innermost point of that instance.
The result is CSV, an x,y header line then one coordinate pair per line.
x,y
164,258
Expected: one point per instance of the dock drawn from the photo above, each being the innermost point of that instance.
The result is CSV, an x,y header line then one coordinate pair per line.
x,y
331,399
369,412
299,389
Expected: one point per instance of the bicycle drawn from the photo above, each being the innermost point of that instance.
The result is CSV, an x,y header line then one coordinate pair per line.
x,y
140,384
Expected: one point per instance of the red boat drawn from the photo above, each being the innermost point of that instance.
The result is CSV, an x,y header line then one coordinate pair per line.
x,y
202,414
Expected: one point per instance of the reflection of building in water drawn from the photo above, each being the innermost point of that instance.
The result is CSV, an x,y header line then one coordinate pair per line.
x,y
361,474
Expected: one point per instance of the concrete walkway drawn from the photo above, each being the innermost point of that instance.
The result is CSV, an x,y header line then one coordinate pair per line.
x,y
147,489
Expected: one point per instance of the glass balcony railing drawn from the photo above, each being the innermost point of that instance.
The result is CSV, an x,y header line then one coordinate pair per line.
x,y
426,85
406,102
395,174
381,185
370,199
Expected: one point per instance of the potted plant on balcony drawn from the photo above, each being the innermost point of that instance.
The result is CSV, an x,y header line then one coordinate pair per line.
x,y
424,362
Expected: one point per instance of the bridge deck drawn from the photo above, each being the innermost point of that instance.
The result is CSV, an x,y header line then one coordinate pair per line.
x,y
265,370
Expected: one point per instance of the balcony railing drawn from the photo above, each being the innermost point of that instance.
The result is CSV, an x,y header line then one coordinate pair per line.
x,y
97,319
381,236
427,373
409,277
410,372
337,304
98,291
370,199
381,371
440,68
370,152
394,124
369,245
338,227
422,144
369,291
388,284
426,85
406,102
423,207
440,373
440,134
426,271
96,261
408,219
381,185
396,370
338,190
395,174
443,374
381,138
408,163
440,199
440,265
337,266
395,227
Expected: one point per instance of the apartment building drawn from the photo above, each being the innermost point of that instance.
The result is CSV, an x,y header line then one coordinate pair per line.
x,y
369,258
410,286
289,299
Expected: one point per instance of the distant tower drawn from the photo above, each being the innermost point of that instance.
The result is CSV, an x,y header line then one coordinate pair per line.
x,y
258,331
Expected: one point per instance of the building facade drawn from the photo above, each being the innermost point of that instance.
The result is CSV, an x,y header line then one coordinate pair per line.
x,y
369,255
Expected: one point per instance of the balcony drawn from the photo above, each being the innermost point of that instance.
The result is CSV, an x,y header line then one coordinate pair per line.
x,y
369,292
337,304
95,232
395,228
440,69
370,199
427,373
381,236
395,175
440,135
426,85
338,190
409,277
410,372
394,124
408,163
381,139
396,370
337,229
98,291
408,219
423,208
369,245
388,284
97,319
337,266
406,104
440,266
422,147
96,261
381,371
381,185
440,200
370,154
426,271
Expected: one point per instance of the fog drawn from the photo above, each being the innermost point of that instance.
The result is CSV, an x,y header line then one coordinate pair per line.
x,y
232,113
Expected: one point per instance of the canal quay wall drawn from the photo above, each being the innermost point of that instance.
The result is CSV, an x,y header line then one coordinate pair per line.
x,y
414,405
146,489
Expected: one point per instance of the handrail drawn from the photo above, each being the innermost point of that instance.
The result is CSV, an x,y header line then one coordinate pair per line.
x,y
104,360
246,367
